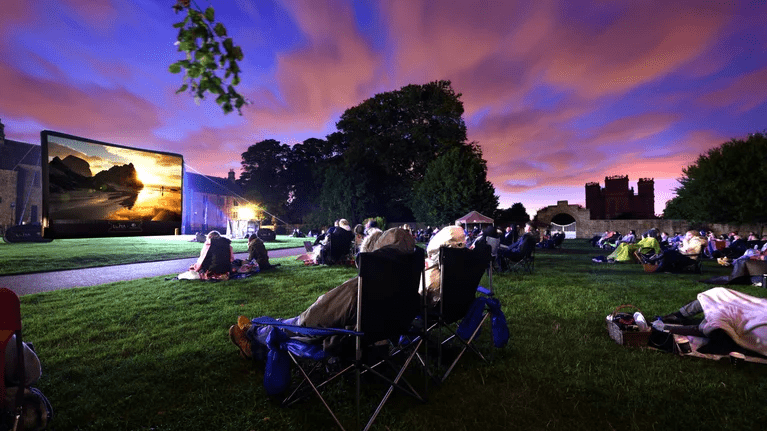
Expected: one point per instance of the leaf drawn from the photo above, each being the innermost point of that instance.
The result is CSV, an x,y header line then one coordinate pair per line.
x,y
220,30
210,14
174,68
178,24
182,89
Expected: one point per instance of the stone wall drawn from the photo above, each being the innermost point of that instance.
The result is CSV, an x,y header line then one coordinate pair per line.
x,y
587,228
7,197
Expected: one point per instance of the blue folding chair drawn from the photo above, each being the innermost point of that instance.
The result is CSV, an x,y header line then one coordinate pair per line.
x,y
460,313
387,303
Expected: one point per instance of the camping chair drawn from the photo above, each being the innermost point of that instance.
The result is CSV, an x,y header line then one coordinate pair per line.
x,y
525,264
696,266
338,250
387,303
460,273
10,324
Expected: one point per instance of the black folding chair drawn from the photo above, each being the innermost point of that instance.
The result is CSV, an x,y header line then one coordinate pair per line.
x,y
461,271
10,325
387,303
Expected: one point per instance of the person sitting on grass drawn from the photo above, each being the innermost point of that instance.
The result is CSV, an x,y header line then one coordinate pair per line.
x,y
732,322
676,259
257,251
646,246
335,309
216,257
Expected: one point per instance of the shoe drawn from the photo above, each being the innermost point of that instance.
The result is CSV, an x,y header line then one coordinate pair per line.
x,y
239,339
243,323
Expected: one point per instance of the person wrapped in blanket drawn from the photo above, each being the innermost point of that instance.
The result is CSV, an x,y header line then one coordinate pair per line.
x,y
732,322
37,409
449,236
335,309
675,259
216,256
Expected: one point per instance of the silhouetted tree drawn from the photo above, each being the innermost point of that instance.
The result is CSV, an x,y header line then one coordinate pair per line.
x,y
728,184
454,184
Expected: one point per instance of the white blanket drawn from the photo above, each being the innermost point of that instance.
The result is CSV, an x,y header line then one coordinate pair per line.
x,y
742,316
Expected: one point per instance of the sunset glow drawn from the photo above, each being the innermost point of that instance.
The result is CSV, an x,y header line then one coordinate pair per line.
x,y
556,93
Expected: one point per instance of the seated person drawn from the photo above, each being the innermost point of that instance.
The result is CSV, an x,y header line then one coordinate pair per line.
x,y
510,236
257,251
732,321
522,248
335,309
449,236
554,241
338,244
647,246
629,238
745,269
676,259
215,258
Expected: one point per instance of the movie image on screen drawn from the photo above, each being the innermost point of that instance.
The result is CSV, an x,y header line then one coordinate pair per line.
x,y
93,188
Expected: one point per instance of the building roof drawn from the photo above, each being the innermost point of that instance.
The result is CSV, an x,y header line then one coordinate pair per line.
x,y
211,185
474,217
13,153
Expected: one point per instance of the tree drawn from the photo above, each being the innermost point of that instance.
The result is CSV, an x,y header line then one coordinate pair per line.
x,y
206,68
454,184
516,214
728,184
263,178
394,135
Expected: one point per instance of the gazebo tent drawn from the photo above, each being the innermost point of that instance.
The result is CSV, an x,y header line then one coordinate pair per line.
x,y
473,218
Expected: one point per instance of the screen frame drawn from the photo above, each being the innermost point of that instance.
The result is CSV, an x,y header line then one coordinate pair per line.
x,y
100,228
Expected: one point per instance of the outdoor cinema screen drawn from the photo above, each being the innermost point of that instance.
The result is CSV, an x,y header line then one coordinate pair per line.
x,y
97,189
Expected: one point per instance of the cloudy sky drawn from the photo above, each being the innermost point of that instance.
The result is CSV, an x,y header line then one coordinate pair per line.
x,y
557,93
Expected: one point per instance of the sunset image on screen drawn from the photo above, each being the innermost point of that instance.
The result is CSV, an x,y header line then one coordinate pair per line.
x,y
91,181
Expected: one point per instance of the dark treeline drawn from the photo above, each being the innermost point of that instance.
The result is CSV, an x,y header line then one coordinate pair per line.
x,y
402,155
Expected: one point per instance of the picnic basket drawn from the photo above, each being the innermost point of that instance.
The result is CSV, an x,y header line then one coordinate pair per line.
x,y
623,337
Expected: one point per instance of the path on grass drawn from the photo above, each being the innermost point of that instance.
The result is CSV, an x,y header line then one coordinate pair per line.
x,y
24,284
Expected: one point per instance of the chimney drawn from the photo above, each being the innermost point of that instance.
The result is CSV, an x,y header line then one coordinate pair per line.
x,y
231,175
2,132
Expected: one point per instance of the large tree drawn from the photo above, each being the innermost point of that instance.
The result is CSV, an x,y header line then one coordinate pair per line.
x,y
263,178
454,184
728,184
394,135
516,214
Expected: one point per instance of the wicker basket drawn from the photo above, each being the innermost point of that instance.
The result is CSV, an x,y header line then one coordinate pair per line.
x,y
626,338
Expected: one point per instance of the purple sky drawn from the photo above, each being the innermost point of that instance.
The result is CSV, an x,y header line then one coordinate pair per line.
x,y
557,94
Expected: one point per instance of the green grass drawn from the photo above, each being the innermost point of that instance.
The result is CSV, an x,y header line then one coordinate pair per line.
x,y
85,253
154,354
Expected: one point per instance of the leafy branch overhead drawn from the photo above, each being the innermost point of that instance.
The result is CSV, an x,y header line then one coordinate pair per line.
x,y
206,67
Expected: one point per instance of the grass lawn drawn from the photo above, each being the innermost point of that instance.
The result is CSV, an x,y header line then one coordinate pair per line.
x,y
152,354
62,254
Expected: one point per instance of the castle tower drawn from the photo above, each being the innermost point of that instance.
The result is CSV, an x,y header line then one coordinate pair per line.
x,y
594,201
645,201
231,175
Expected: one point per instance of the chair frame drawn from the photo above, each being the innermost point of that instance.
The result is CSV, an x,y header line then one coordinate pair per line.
x,y
10,324
447,320
308,369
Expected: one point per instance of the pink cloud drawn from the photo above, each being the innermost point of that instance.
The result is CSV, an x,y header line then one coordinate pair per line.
x,y
742,93
64,107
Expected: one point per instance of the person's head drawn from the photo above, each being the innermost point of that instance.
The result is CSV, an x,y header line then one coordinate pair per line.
x,y
371,223
632,232
214,234
490,232
359,229
344,224
689,234
528,227
335,223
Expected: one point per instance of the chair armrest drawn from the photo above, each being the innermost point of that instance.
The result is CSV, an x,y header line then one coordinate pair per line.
x,y
485,291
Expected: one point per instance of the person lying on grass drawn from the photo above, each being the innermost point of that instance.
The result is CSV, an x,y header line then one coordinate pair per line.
x,y
732,322
335,309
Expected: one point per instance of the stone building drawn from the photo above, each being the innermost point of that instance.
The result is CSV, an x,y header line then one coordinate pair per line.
x,y
210,202
617,201
20,182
